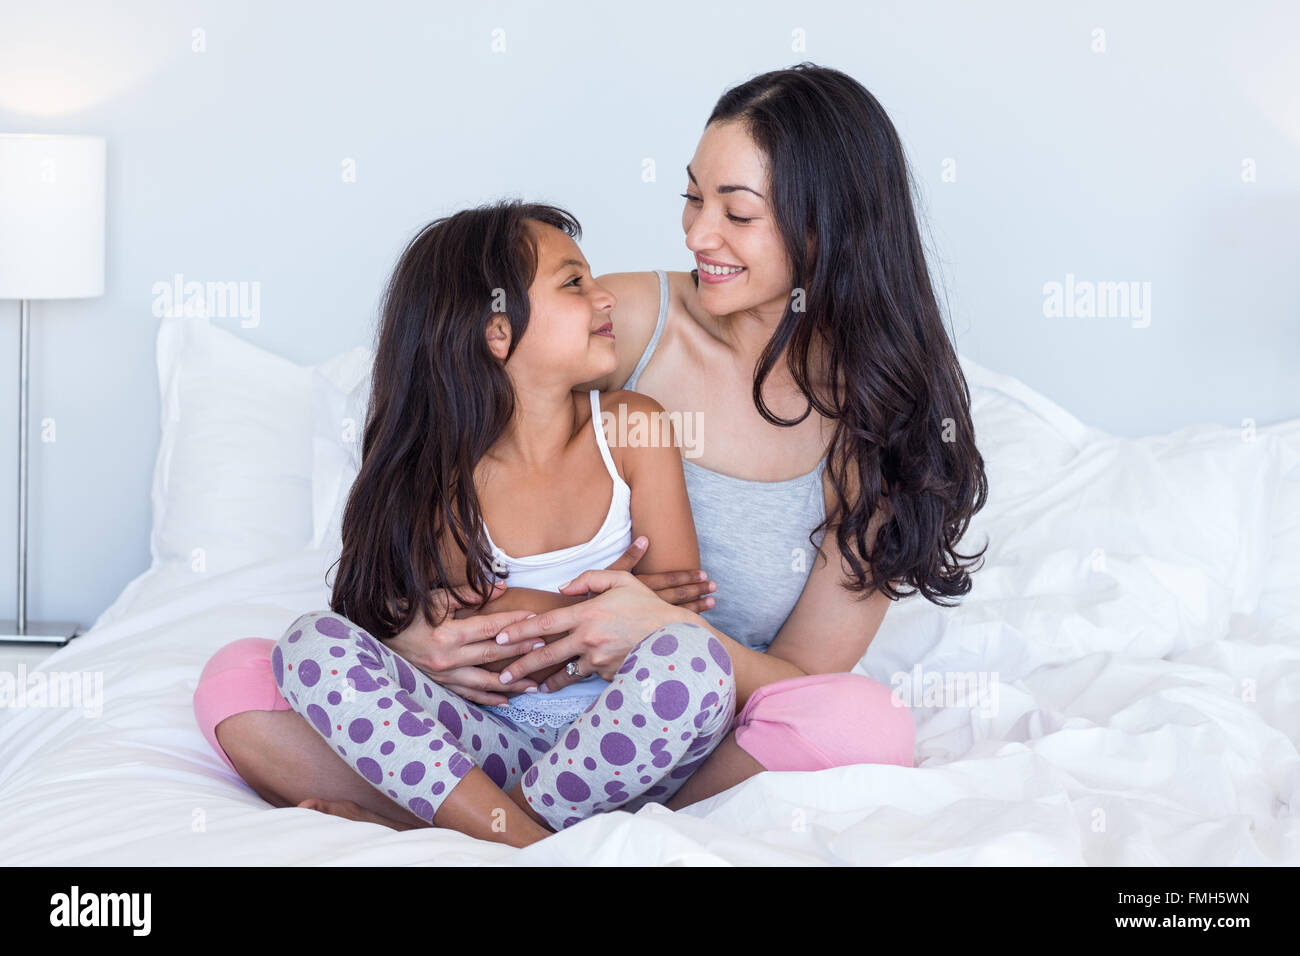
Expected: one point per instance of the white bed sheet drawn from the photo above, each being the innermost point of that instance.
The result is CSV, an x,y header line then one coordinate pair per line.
x,y
1139,608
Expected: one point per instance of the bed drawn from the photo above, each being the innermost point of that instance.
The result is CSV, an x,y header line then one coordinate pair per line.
x,y
1121,687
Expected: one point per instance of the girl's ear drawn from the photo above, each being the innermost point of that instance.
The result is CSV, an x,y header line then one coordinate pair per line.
x,y
498,335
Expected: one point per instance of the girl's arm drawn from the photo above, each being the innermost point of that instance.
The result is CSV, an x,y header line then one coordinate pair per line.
x,y
652,468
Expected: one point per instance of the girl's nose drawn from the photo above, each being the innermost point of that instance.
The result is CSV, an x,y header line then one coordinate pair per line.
x,y
604,299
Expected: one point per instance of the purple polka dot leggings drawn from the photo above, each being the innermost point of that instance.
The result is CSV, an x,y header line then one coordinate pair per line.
x,y
664,712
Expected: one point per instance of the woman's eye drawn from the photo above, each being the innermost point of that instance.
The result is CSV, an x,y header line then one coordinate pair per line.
x,y
689,198
573,280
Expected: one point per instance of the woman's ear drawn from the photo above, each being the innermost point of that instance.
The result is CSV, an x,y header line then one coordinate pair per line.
x,y
498,335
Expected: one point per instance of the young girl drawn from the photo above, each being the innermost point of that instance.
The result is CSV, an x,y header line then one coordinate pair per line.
x,y
481,462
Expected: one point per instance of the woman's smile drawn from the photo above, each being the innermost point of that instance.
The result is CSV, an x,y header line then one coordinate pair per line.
x,y
607,330
714,271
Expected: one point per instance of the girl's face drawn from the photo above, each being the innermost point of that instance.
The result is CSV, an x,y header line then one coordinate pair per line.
x,y
570,337
728,222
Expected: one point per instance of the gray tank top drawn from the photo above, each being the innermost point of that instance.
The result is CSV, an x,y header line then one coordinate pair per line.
x,y
753,534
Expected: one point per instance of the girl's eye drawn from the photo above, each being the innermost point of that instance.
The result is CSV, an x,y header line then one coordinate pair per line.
x,y
573,280
689,198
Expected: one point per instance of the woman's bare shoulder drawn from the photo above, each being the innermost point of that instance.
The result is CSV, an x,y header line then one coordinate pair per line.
x,y
685,295
635,313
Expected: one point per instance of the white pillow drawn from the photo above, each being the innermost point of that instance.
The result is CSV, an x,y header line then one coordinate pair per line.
x,y
232,483
340,396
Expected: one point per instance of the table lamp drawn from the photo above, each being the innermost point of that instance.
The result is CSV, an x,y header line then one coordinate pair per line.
x,y
51,247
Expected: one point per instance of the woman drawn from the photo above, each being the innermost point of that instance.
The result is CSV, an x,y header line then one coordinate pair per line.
x,y
809,343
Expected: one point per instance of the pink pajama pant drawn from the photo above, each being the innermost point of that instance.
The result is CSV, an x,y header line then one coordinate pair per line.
x,y
802,723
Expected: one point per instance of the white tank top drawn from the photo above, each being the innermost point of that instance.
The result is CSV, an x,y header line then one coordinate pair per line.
x,y
546,572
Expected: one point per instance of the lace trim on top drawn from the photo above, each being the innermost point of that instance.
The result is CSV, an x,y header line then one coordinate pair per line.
x,y
542,712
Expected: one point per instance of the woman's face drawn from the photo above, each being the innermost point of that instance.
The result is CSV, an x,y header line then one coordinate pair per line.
x,y
728,222
570,338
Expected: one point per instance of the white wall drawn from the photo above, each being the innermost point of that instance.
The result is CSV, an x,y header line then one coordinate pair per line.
x,y
1122,165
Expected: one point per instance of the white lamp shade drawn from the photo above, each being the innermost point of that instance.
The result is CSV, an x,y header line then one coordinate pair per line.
x,y
51,216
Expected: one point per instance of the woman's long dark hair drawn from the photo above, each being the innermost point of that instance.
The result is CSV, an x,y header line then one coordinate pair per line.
x,y
837,174
439,400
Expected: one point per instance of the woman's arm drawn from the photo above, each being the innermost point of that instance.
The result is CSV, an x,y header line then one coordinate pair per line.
x,y
602,630
828,631
831,627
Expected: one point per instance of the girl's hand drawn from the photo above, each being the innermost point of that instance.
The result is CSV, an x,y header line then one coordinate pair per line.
x,y
686,589
603,630
454,652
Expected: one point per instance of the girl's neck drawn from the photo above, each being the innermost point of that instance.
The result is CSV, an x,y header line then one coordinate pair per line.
x,y
544,423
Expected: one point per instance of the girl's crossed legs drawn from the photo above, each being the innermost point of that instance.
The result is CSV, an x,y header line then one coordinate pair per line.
x,y
670,704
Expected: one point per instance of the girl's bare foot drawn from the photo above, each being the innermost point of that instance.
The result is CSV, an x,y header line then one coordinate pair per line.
x,y
350,810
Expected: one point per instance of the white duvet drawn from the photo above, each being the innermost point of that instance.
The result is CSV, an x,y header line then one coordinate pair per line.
x,y
1134,634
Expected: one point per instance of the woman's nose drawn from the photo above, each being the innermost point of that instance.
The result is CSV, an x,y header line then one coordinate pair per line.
x,y
703,235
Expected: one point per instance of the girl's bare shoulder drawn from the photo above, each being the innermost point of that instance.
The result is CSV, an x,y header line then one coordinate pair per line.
x,y
624,413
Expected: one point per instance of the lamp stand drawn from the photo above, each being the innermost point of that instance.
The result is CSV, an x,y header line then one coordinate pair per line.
x,y
24,631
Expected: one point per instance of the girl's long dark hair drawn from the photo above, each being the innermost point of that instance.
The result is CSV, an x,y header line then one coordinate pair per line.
x,y
837,174
439,400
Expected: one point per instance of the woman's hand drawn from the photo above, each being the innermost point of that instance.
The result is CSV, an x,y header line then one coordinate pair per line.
x,y
682,588
454,653
602,630
469,635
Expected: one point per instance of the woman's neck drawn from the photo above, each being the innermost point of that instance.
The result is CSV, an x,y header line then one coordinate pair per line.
x,y
746,334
